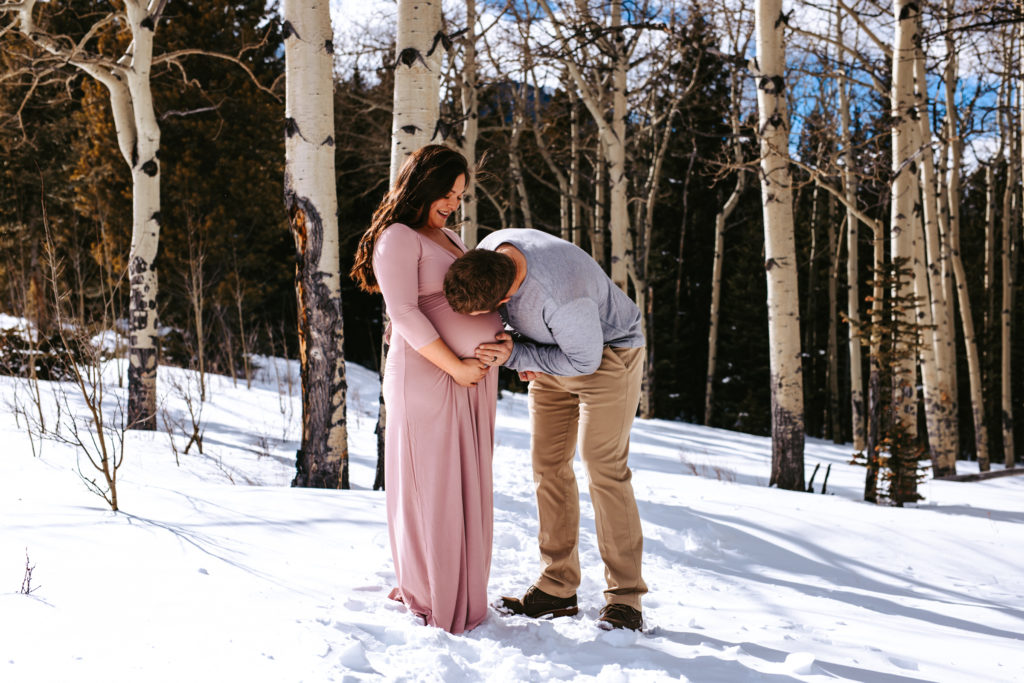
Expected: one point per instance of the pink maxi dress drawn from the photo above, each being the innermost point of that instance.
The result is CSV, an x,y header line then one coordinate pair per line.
x,y
439,439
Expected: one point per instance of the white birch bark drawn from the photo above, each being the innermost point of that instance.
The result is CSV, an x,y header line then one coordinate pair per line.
x,y
417,79
940,403
312,205
614,138
515,159
612,135
1006,322
470,127
1011,214
852,257
780,250
127,80
963,296
903,112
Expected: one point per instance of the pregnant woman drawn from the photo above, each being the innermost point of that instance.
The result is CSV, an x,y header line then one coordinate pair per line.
x,y
440,399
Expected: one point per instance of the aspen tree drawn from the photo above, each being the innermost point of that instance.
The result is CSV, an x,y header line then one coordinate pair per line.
x,y
312,205
922,287
417,79
940,398
127,80
835,430
470,126
612,135
904,113
780,249
852,255
1011,214
720,218
953,206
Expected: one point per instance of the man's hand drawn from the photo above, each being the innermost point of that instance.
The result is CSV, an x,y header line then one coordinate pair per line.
x,y
528,375
496,352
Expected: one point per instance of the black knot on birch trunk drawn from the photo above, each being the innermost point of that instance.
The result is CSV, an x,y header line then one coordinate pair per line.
x,y
148,23
440,37
150,168
329,141
156,217
910,9
409,130
291,127
287,30
783,18
774,263
410,56
135,155
329,46
773,85
448,129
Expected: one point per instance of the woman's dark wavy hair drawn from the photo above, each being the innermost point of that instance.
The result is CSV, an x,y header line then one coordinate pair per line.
x,y
426,176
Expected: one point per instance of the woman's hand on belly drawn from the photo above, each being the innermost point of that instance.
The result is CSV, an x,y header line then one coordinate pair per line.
x,y
469,372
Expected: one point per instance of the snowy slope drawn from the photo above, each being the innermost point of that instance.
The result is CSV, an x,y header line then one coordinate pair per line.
x,y
217,570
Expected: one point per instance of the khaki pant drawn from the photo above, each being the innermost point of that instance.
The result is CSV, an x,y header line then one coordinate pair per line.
x,y
597,409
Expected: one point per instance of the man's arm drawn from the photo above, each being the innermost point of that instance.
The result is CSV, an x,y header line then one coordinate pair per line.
x,y
579,343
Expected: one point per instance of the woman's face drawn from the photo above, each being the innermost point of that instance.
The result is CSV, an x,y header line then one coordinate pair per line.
x,y
441,208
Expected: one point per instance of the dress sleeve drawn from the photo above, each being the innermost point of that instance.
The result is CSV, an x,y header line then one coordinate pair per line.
x,y
396,267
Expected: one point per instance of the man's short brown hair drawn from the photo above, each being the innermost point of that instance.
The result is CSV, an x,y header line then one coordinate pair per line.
x,y
479,280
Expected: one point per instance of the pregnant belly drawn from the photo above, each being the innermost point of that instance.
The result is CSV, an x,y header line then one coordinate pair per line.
x,y
460,332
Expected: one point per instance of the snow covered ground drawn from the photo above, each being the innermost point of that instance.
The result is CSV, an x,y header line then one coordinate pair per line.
x,y
217,570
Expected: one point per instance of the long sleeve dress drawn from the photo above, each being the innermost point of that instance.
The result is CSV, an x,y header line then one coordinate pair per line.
x,y
439,440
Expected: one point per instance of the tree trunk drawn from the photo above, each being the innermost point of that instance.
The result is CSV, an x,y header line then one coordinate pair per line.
x,y
780,252
716,269
575,224
678,288
835,429
963,297
138,138
143,340
515,161
989,275
614,138
1006,320
417,79
597,234
811,362
612,147
312,205
471,126
943,437
904,215
1011,216
873,434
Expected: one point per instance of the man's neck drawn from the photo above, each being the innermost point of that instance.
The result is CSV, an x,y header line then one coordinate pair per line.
x,y
520,261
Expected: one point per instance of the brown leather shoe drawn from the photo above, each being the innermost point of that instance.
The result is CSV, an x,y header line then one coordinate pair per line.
x,y
536,604
616,615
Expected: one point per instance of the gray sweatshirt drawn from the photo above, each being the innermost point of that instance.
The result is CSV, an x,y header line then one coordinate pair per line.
x,y
566,310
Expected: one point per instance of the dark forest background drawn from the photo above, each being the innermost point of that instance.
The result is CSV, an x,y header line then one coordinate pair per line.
x,y
222,158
